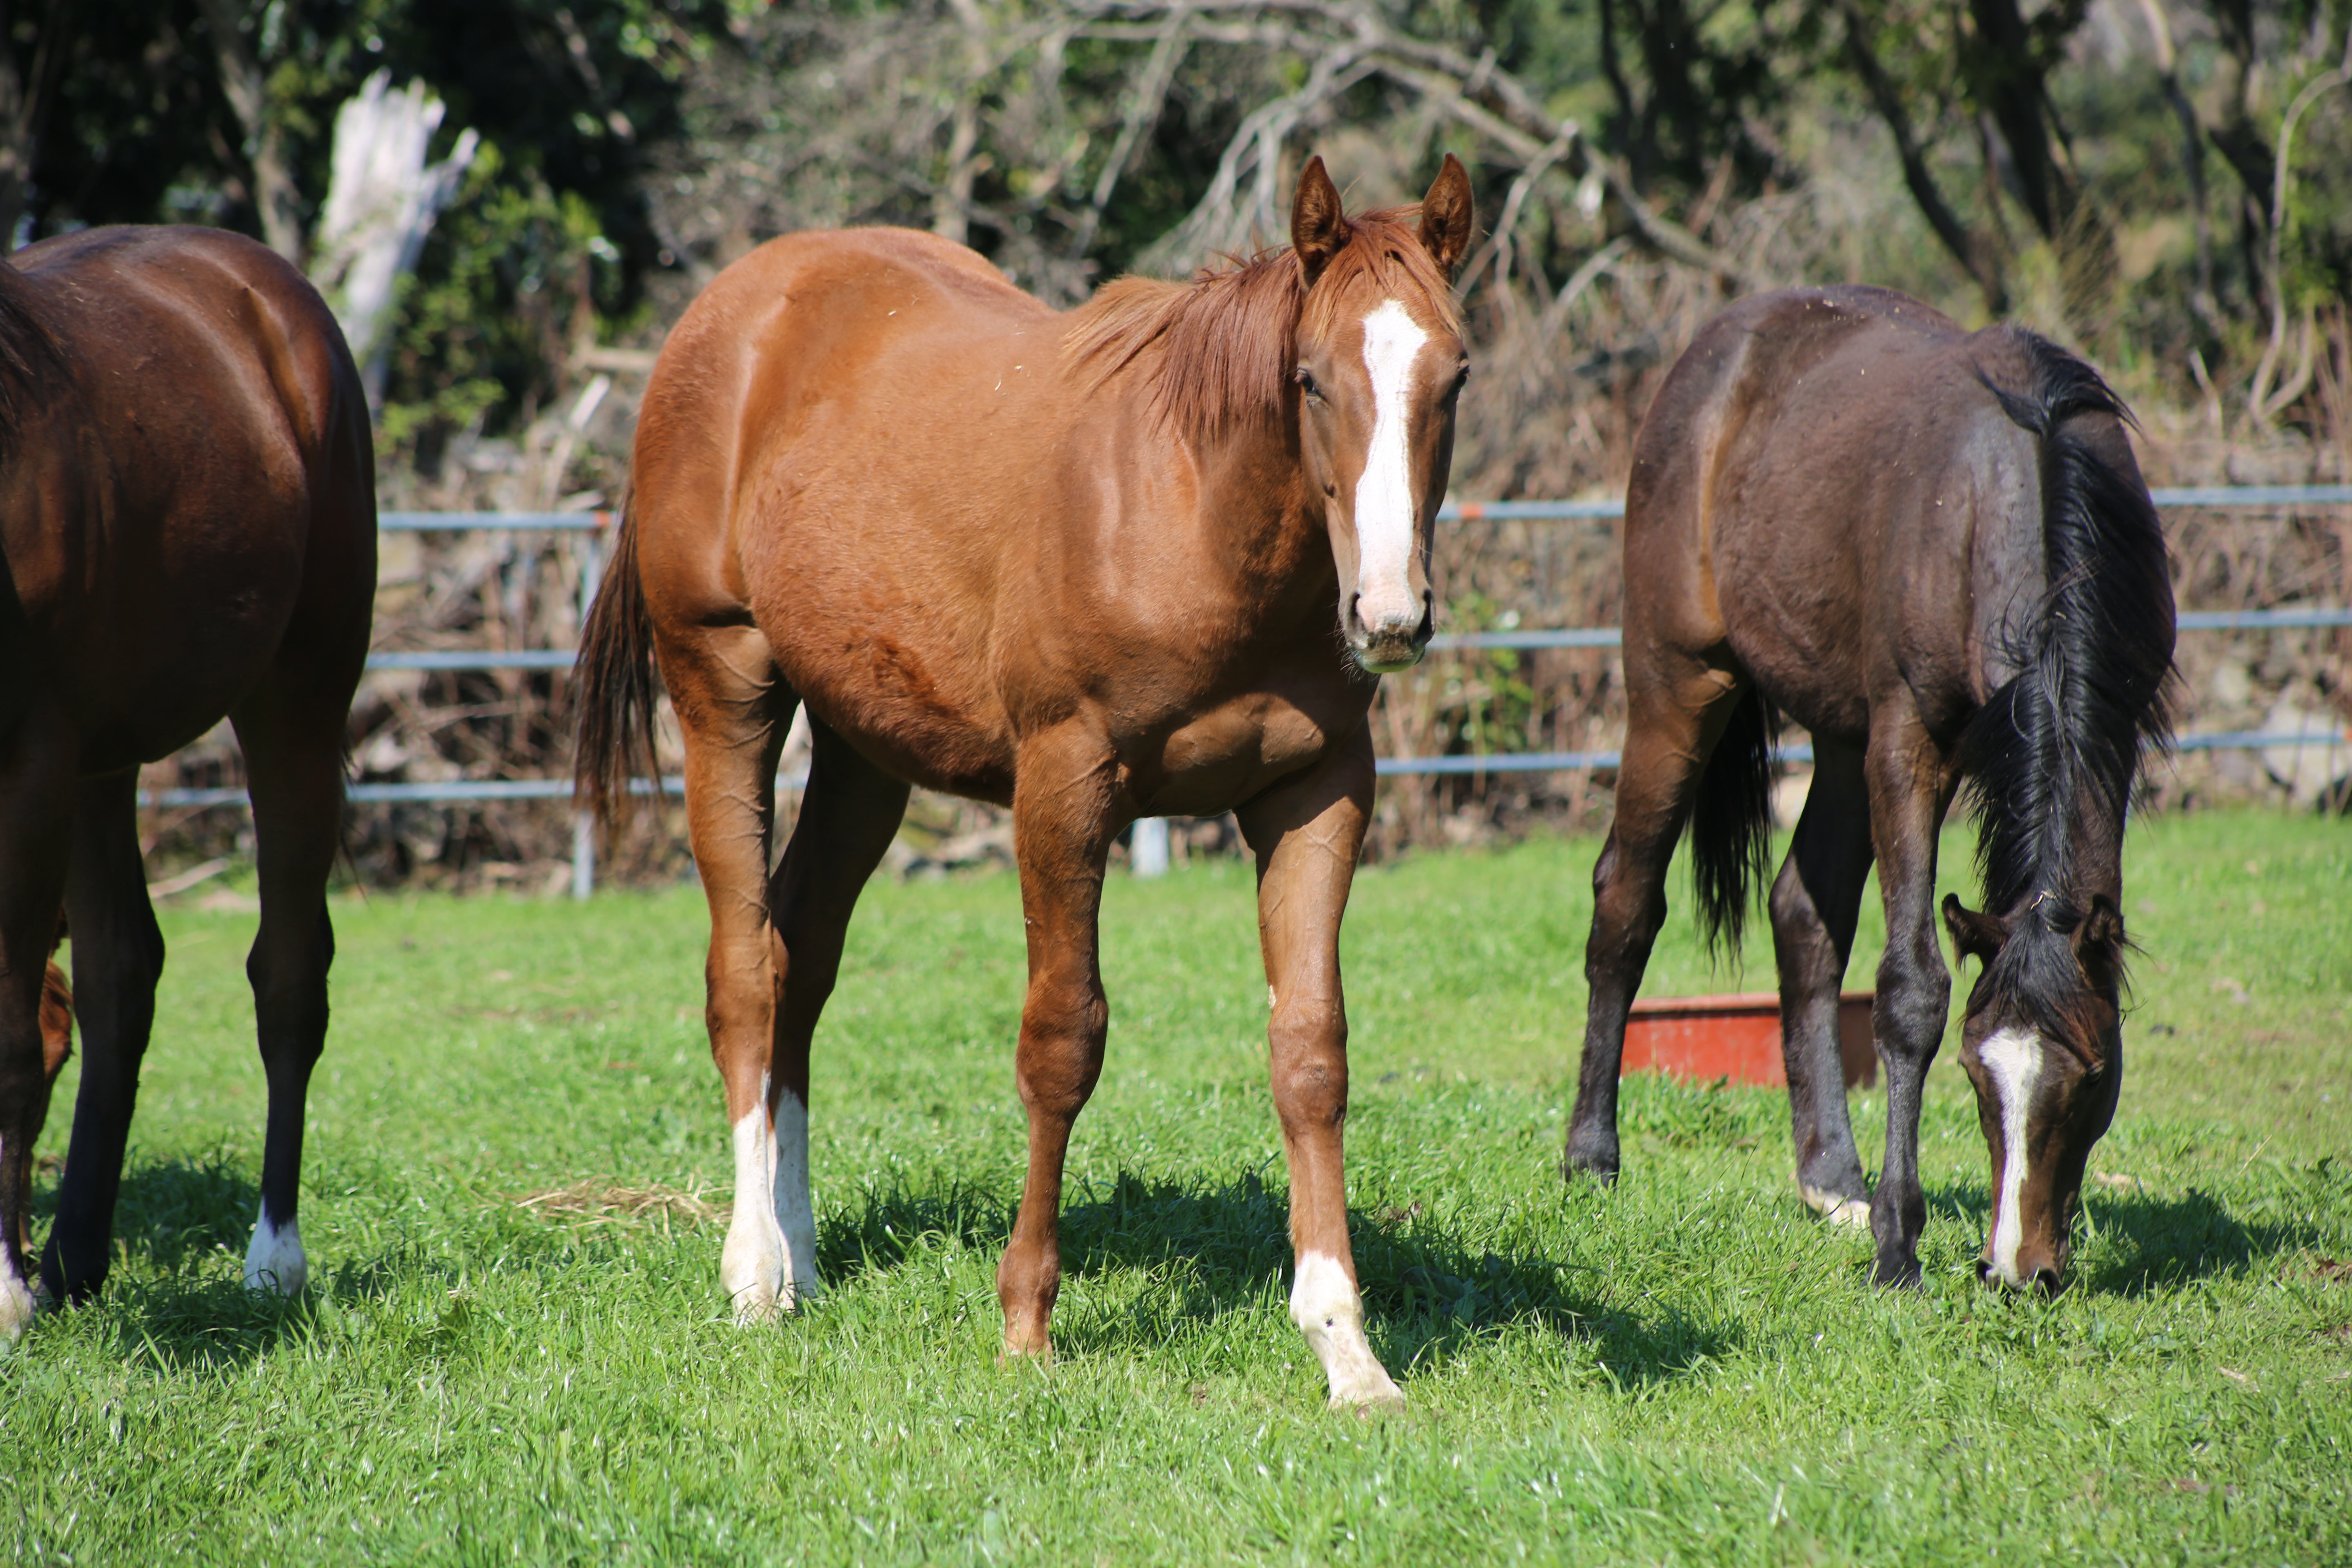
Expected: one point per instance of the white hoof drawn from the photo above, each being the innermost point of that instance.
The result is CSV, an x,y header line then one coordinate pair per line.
x,y
1325,1305
275,1261
1836,1209
1369,1389
16,1304
769,1264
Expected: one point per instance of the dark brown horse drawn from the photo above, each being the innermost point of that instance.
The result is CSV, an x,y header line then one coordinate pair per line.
x,y
1139,559
1933,549
187,531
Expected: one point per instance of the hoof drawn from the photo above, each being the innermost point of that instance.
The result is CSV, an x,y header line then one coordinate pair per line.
x,y
762,1303
1895,1273
16,1305
1375,1395
1835,1207
274,1260
1589,1164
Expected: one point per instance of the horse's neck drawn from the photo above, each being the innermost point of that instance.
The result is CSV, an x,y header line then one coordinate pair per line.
x,y
1253,498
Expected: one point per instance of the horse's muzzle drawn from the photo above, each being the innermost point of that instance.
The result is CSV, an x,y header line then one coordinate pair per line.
x,y
1389,642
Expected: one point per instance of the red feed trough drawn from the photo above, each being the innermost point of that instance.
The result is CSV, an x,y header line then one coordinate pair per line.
x,y
1738,1037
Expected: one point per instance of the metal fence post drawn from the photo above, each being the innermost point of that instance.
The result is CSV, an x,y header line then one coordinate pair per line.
x,y
583,825
1147,849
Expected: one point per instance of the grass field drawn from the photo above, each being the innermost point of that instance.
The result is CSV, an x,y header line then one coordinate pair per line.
x,y
515,1348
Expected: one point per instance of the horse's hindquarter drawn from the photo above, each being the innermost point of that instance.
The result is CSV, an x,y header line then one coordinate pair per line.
x,y
1845,506
203,481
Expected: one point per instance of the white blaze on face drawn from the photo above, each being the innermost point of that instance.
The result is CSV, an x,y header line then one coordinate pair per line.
x,y
274,1260
2012,1059
1326,1308
1384,495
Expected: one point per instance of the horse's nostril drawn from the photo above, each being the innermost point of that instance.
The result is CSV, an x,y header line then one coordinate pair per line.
x,y
1984,1272
2046,1280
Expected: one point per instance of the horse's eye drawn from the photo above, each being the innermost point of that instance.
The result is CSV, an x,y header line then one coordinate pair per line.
x,y
1306,380
1462,375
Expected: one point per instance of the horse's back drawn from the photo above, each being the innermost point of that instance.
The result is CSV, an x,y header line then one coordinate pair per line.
x,y
1828,484
841,439
196,495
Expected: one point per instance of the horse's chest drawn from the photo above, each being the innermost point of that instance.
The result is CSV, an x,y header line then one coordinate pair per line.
x,y
1217,759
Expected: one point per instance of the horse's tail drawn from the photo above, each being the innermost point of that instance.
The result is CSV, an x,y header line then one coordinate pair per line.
x,y
613,680
2093,655
1731,822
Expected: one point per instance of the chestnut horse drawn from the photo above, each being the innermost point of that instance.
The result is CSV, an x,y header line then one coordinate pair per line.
x,y
1139,559
1933,549
187,531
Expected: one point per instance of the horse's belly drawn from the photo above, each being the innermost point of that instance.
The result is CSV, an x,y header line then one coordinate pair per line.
x,y
913,728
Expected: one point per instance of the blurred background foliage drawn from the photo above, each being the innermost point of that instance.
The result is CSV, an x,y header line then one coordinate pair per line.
x,y
2164,186
2108,169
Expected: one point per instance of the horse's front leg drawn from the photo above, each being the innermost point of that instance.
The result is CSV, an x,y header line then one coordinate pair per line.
x,y
1062,820
1910,786
1306,835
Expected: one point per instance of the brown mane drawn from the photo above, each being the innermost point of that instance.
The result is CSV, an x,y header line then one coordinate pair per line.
x,y
1226,339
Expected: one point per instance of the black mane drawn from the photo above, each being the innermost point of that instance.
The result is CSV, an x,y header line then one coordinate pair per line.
x,y
2058,745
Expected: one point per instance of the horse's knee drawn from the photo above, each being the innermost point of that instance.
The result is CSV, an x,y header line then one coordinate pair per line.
x,y
1060,1056
1913,999
1309,1068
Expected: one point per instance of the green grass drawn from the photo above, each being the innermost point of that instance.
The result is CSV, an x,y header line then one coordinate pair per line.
x,y
1686,1368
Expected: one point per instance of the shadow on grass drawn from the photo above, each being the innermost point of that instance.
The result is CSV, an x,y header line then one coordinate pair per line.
x,y
1212,1251
2140,1241
173,1221
2148,1242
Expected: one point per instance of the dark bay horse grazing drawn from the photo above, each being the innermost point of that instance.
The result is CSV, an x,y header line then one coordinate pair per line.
x,y
187,531
1139,559
1933,549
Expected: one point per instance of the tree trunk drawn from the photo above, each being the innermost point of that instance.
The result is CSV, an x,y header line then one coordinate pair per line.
x,y
247,90
379,210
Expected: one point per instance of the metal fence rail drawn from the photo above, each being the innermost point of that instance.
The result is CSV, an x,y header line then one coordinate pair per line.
x,y
596,523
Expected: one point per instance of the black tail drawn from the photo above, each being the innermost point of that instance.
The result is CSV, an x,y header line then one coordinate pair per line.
x,y
614,683
2064,736
1731,822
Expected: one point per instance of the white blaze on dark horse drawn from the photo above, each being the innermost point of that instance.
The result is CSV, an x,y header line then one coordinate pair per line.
x,y
1933,549
1086,565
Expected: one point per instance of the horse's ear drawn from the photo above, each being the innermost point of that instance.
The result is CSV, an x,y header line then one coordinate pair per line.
x,y
1974,935
1317,229
2098,942
1445,215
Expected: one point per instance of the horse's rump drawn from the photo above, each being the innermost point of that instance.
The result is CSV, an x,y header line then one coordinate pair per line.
x,y
235,512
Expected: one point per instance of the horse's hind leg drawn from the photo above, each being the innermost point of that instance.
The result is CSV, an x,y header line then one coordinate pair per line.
x,y
1910,787
1306,836
117,955
1814,904
849,814
35,814
1676,716
291,730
